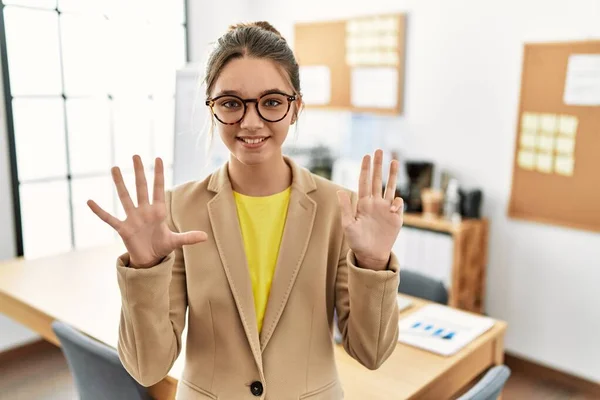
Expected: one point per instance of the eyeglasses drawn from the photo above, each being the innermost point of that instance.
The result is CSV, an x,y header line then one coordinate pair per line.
x,y
271,107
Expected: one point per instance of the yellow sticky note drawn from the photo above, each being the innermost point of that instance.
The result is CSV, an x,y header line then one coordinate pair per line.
x,y
545,143
526,159
392,24
568,125
351,44
565,145
389,40
548,123
529,122
351,58
390,58
544,162
528,140
352,26
564,165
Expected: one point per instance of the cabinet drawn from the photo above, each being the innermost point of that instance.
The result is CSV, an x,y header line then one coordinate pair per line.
x,y
468,259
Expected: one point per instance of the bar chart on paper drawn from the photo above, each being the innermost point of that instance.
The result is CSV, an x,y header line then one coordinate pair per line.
x,y
442,330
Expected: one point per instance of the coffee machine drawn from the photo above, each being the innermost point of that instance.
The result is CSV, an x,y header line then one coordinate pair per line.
x,y
420,175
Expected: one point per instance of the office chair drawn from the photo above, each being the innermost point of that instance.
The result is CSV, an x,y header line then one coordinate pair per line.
x,y
96,368
490,386
418,285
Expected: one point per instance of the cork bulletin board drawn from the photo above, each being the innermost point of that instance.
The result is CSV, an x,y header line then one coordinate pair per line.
x,y
556,170
354,64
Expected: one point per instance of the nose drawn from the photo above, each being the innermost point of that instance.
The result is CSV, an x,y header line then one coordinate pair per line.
x,y
251,121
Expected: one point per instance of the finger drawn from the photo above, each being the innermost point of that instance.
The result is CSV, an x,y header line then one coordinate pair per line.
x,y
188,238
397,205
158,194
377,166
363,181
390,188
103,215
122,191
346,208
140,181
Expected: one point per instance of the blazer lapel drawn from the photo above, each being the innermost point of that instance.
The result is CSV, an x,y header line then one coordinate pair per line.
x,y
296,235
228,237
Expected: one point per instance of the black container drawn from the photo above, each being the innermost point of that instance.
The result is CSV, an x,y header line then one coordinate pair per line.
x,y
420,175
470,203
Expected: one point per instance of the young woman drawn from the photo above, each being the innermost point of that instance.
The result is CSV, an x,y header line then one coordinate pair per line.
x,y
259,254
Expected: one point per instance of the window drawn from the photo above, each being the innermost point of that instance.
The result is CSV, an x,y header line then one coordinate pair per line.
x,y
87,85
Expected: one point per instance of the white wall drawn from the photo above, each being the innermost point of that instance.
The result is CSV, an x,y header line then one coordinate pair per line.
x,y
11,333
462,91
206,23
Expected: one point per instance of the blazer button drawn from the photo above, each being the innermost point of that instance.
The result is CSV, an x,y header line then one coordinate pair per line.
x,y
256,388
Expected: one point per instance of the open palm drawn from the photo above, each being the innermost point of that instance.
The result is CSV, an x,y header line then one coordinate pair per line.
x,y
372,230
144,232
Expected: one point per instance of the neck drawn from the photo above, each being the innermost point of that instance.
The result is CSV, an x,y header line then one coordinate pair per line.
x,y
264,179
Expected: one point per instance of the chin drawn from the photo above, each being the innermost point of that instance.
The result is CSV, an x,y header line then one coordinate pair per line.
x,y
251,159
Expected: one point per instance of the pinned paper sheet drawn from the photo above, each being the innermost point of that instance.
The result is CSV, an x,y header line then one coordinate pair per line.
x,y
565,145
316,84
526,159
374,87
372,41
545,143
548,124
544,162
389,40
582,86
528,140
564,165
530,122
568,125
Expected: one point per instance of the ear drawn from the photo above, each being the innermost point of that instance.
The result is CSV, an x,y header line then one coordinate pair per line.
x,y
298,107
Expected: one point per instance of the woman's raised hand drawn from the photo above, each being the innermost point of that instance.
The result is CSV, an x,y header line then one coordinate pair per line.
x,y
144,232
372,229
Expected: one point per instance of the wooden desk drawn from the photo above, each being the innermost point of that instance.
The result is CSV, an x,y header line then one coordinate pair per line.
x,y
80,288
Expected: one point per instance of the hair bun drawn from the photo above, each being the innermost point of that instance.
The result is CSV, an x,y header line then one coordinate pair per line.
x,y
267,26
260,24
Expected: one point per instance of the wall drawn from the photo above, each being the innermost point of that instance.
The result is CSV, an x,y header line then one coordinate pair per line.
x,y
463,76
462,92
206,24
11,333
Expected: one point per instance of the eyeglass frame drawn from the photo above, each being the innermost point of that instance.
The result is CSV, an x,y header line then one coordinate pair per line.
x,y
211,102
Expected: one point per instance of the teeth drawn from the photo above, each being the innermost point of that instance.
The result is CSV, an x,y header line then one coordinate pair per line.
x,y
253,141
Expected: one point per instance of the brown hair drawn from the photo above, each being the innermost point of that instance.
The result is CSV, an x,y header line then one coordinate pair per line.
x,y
258,40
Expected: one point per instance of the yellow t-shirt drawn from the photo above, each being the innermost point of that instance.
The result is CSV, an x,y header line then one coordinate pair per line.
x,y
262,220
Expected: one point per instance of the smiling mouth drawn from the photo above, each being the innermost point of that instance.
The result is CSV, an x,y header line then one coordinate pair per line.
x,y
251,140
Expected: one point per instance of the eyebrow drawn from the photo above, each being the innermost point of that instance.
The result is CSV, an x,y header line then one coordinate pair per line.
x,y
236,93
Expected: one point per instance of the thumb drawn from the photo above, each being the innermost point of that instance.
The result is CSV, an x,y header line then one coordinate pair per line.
x,y
188,238
346,207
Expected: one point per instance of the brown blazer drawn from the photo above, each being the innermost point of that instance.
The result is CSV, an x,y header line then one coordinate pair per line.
x,y
226,357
